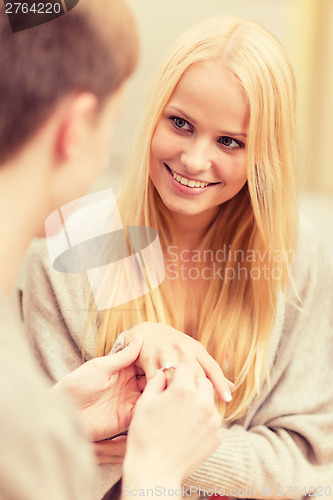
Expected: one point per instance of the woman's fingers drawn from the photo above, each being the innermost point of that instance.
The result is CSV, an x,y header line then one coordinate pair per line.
x,y
215,375
179,348
148,364
231,385
189,361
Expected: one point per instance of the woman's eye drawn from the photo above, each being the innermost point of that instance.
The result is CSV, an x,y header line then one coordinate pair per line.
x,y
230,143
180,123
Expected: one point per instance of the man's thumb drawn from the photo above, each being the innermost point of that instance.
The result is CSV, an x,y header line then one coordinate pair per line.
x,y
127,356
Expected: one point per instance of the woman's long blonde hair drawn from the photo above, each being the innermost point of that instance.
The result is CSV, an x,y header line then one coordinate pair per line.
x,y
236,316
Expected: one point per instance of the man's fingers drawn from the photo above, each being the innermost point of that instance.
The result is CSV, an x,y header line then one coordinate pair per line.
x,y
155,386
205,388
183,377
111,451
126,357
142,382
120,360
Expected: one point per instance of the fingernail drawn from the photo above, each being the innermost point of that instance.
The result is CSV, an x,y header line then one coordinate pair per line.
x,y
227,396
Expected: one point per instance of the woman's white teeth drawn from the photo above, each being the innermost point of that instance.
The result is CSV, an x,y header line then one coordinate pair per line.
x,y
188,182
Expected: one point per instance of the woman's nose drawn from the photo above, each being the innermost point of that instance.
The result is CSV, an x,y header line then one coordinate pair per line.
x,y
196,159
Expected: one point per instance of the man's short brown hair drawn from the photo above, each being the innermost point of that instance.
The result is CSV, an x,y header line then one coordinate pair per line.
x,y
93,48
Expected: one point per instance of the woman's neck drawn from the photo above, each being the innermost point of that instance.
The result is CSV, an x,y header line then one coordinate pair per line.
x,y
189,230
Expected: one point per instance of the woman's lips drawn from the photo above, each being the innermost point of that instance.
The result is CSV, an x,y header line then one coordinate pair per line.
x,y
176,174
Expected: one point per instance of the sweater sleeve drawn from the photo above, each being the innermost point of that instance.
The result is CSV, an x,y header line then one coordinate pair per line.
x,y
287,443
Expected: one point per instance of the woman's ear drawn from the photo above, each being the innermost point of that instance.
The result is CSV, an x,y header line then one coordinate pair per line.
x,y
74,125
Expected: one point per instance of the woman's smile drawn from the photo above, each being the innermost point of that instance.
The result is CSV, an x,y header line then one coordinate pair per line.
x,y
188,186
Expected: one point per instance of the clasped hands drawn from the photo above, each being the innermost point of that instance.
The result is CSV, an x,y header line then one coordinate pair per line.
x,y
106,391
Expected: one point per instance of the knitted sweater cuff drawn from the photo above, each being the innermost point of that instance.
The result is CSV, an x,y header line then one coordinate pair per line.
x,y
229,467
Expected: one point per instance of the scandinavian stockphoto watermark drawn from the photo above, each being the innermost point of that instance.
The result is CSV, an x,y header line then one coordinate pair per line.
x,y
27,14
87,236
225,264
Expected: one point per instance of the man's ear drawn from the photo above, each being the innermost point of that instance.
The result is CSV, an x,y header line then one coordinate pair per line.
x,y
74,125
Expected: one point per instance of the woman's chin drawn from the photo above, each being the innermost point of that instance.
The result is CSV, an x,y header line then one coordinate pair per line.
x,y
179,208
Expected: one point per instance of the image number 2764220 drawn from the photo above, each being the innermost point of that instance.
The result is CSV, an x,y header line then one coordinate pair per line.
x,y
29,13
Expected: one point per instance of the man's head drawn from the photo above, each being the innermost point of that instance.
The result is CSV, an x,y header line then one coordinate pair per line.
x,y
93,49
62,82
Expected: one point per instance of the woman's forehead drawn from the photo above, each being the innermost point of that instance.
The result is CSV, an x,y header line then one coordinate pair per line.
x,y
209,92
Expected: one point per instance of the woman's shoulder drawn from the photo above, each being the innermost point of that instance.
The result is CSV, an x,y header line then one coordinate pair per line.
x,y
40,272
62,299
309,313
312,268
309,241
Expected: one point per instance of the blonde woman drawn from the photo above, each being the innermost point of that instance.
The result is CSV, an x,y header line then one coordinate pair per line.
x,y
215,173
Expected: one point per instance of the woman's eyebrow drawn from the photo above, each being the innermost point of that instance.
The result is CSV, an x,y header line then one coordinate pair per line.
x,y
181,112
191,120
236,134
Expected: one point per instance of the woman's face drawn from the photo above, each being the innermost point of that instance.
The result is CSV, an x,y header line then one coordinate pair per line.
x,y
198,150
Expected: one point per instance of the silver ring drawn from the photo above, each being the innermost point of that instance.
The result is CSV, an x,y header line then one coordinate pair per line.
x,y
168,366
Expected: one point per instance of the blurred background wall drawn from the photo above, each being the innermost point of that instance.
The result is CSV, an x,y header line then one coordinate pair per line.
x,y
305,27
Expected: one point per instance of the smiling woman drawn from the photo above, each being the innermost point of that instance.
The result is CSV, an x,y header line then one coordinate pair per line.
x,y
216,168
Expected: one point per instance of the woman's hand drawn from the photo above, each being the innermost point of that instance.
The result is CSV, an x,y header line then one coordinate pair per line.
x,y
172,430
105,391
162,343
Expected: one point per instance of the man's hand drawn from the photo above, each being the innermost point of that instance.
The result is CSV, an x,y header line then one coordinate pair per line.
x,y
173,430
105,391
111,452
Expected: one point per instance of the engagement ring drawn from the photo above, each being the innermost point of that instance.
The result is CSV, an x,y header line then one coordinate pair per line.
x,y
168,366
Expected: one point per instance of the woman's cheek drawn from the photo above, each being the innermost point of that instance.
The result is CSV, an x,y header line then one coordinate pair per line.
x,y
165,143
233,170
157,144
